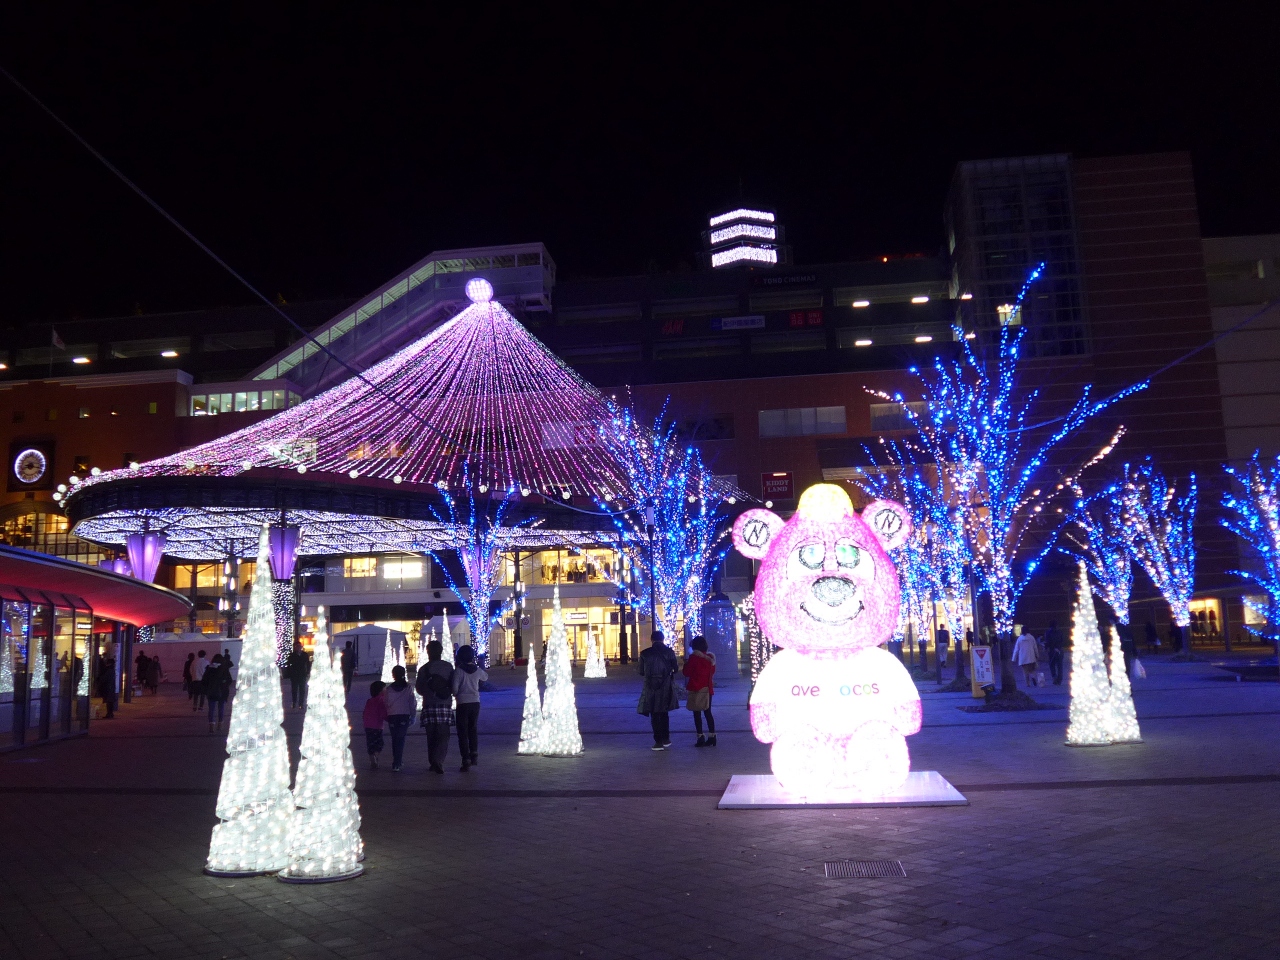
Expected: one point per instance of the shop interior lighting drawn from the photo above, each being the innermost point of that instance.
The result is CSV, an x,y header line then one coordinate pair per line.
x,y
862,343
924,338
861,303
966,296
169,353
919,299
763,216
80,360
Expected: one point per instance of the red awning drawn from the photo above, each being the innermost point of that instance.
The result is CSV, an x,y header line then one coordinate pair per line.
x,y
110,595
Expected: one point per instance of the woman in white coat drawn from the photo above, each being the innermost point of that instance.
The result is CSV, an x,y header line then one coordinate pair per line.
x,y
1026,654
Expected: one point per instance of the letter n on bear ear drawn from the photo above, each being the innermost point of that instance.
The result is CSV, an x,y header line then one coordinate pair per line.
x,y
889,521
753,532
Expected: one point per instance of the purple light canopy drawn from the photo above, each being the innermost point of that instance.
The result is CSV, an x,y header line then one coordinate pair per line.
x,y
145,551
284,551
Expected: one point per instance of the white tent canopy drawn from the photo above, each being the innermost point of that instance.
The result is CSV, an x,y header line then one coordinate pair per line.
x,y
370,643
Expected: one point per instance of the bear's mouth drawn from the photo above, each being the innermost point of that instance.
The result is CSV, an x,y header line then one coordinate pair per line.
x,y
831,617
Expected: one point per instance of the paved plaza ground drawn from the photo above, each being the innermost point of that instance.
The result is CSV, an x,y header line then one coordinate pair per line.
x,y
1166,849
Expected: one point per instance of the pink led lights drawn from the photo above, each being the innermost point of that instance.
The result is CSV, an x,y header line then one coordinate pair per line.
x,y
479,389
835,707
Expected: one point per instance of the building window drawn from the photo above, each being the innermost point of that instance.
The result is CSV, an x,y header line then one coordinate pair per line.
x,y
802,422
51,413
705,428
83,413
894,416
354,567
153,407
37,527
81,463
402,570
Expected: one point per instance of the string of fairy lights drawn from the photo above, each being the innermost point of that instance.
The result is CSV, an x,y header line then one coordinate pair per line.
x,y
1252,506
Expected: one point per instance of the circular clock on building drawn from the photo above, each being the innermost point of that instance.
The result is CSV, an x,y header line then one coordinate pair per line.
x,y
30,465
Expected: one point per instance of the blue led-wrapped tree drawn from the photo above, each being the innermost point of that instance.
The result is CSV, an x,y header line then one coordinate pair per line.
x,y
1253,515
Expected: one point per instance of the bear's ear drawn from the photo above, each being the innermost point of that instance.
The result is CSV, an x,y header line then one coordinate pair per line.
x,y
754,531
889,521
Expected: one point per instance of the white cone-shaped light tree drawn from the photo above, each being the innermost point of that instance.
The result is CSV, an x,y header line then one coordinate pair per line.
x,y
388,660
595,658
1124,715
560,736
254,802
531,724
446,639
1090,713
324,835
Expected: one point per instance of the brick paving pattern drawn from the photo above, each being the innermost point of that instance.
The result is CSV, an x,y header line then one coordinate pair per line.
x,y
1165,849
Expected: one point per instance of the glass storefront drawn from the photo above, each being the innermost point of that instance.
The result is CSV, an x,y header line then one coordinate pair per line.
x,y
46,665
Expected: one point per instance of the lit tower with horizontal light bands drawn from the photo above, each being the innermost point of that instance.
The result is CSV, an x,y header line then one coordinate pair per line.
x,y
744,236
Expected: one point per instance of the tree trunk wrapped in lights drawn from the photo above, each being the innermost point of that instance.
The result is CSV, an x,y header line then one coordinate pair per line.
x,y
283,603
1090,711
531,723
560,736
254,802
1124,715
324,835
1104,549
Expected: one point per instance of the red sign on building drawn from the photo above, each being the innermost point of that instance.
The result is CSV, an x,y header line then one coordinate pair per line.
x,y
777,486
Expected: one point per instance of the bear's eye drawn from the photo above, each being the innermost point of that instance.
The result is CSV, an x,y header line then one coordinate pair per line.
x,y
812,555
847,555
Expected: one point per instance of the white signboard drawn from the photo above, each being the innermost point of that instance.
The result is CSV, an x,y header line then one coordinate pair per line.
x,y
983,670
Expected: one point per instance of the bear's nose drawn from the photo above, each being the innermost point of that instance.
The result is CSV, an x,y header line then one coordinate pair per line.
x,y
833,591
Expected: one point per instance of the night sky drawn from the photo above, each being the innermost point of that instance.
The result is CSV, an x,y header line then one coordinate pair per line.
x,y
323,153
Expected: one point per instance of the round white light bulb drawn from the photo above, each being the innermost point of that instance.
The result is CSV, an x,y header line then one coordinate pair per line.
x,y
134,465
95,471
62,488
397,479
353,474
479,290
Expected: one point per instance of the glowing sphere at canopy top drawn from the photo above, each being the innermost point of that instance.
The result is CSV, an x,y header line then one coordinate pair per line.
x,y
836,708
479,290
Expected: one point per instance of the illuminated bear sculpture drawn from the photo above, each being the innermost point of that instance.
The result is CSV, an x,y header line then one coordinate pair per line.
x,y
835,707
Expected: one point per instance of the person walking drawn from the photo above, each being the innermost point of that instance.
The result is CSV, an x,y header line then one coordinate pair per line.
x,y
297,667
1053,644
217,689
197,675
1026,654
348,662
434,684
1128,646
658,666
374,716
140,663
699,669
155,673
466,680
941,641
186,673
107,688
400,707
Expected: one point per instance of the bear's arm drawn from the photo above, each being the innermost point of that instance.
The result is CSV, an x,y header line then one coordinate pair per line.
x,y
908,713
764,702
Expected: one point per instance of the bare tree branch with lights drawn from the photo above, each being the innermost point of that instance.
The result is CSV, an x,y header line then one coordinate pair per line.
x,y
1097,537
1160,529
1253,505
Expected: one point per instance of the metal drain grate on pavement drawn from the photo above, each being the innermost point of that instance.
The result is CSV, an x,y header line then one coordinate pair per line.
x,y
858,869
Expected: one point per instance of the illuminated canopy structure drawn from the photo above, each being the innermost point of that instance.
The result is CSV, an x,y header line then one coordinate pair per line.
x,y
370,465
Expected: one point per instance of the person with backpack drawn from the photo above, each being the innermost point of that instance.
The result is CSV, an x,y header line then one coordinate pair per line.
x,y
658,698
400,707
434,684
217,689
699,668
465,685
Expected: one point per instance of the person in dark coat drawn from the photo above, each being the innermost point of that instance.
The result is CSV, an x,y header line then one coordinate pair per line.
x,y
1128,646
155,673
434,684
348,661
217,689
658,666
1053,644
1153,638
107,683
186,674
297,667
